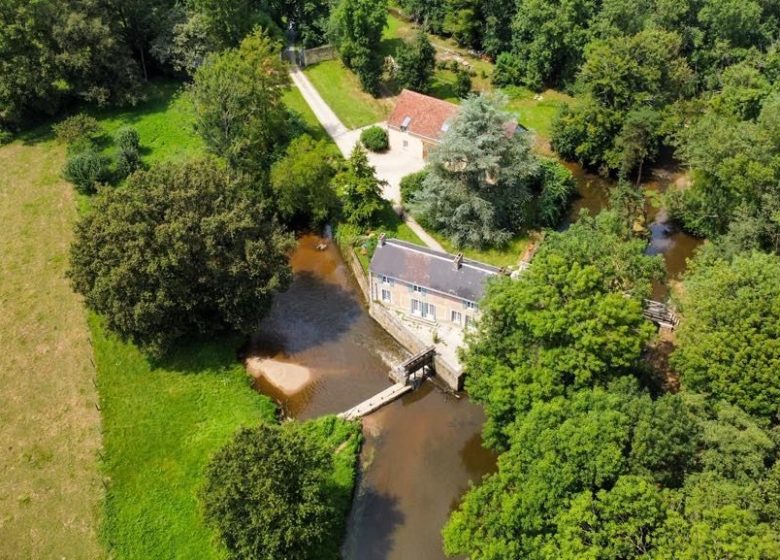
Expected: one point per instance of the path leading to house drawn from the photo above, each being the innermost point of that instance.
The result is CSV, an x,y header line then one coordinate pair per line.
x,y
346,139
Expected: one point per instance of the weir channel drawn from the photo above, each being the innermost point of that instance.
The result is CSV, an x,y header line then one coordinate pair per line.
x,y
420,451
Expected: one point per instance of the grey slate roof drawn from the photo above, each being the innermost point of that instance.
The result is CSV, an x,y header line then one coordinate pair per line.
x,y
431,269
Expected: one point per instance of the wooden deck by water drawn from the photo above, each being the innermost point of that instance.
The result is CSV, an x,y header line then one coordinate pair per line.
x,y
377,401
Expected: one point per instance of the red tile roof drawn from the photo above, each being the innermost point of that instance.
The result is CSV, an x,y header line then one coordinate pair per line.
x,y
426,115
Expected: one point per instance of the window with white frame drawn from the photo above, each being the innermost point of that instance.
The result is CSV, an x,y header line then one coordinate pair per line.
x,y
418,289
456,317
386,296
423,309
468,321
470,305
387,280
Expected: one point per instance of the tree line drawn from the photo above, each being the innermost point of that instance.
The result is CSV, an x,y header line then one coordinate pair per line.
x,y
598,461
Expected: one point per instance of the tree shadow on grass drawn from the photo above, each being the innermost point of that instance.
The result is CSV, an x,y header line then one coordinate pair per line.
x,y
202,354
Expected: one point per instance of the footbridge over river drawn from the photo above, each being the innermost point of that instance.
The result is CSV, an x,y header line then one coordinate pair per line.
x,y
408,376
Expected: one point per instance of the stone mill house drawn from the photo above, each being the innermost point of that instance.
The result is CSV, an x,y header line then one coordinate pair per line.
x,y
428,286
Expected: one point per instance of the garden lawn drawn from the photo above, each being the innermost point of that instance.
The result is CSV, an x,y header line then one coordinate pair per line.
x,y
165,121
50,488
340,89
507,256
295,102
161,424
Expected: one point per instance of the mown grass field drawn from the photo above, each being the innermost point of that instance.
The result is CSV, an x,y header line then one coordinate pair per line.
x,y
340,89
162,423
508,255
50,488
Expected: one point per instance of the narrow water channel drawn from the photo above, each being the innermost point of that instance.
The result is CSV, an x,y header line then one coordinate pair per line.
x,y
420,452
666,239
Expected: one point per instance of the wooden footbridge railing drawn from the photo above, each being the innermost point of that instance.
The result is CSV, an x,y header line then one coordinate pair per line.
x,y
408,376
661,314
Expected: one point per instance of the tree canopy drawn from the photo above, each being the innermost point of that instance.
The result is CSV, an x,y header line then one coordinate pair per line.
x,y
482,183
268,493
729,340
355,28
572,320
182,249
238,103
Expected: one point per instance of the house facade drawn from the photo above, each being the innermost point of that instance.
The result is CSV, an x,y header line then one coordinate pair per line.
x,y
429,286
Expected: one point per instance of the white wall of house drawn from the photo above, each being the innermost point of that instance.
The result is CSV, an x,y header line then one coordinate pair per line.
x,y
422,303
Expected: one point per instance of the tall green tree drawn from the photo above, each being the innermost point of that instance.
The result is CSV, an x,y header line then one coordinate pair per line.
x,y
268,494
302,183
729,342
359,190
56,52
182,249
355,28
481,183
416,63
572,320
239,111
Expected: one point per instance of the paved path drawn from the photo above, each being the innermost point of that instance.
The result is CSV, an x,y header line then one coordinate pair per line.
x,y
390,167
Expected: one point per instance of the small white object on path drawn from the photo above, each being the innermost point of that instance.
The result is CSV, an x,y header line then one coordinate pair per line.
x,y
390,167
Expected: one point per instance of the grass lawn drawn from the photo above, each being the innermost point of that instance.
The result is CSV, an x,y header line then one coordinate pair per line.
x,y
506,256
295,102
50,489
536,114
161,425
165,122
340,89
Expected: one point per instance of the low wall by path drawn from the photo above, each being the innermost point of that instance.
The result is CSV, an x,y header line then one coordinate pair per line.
x,y
451,377
357,271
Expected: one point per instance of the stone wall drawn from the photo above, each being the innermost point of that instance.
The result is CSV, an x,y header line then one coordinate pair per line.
x,y
452,378
357,271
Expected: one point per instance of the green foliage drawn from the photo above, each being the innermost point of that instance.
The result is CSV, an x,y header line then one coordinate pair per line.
x,y
462,83
77,128
359,191
86,170
128,144
270,493
728,341
412,184
237,96
355,29
416,63
558,187
375,138
625,82
301,182
181,249
573,319
53,52
480,180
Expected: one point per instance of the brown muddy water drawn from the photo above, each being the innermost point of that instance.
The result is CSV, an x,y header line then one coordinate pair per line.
x,y
666,239
420,452
322,354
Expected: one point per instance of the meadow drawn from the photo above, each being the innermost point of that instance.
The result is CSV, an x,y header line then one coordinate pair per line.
x,y
106,448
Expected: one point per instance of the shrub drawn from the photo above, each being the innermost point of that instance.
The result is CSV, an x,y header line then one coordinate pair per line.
x,y
508,70
78,127
86,169
129,156
462,83
411,184
375,139
5,136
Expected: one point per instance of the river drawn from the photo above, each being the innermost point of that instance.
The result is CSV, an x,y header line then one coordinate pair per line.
x,y
420,452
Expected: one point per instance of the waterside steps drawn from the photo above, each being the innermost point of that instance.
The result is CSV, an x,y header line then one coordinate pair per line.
x,y
408,376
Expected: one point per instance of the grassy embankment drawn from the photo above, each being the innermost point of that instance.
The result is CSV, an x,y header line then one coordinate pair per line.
x,y
50,489
160,422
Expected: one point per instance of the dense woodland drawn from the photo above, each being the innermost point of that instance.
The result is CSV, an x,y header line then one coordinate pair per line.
x,y
597,459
